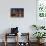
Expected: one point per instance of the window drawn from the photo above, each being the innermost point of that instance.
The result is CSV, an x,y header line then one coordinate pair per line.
x,y
41,8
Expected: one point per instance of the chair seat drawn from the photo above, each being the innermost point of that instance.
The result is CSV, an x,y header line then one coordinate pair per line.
x,y
9,34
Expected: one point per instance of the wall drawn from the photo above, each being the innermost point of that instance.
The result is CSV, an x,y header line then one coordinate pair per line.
x,y
24,24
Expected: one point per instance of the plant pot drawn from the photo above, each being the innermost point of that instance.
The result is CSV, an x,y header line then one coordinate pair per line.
x,y
40,41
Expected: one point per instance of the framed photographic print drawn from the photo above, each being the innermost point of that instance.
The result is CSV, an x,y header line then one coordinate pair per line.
x,y
17,12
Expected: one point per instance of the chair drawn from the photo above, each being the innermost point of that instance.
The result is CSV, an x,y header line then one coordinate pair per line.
x,y
8,35
24,43
14,32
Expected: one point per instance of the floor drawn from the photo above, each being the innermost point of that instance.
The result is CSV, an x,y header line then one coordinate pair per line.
x,y
13,44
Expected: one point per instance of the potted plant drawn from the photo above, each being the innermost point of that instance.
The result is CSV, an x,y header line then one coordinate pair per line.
x,y
38,27
35,26
42,27
39,35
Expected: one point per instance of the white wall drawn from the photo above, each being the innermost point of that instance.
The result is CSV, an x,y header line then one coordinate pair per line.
x,y
24,24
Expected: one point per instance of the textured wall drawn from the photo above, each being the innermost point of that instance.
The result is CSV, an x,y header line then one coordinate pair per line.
x,y
24,24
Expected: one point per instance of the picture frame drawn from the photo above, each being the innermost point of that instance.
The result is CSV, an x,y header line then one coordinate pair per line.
x,y
17,12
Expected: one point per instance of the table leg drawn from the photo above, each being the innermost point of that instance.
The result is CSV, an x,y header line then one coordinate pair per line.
x,y
5,40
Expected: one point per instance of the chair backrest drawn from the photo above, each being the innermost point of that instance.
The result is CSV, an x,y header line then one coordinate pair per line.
x,y
14,30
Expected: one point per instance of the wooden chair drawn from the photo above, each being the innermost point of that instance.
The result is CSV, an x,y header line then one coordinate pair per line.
x,y
27,37
8,34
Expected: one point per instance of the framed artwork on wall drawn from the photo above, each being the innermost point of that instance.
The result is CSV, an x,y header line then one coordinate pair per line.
x,y
17,12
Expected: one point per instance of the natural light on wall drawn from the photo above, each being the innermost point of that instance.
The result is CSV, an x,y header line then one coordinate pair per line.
x,y
41,9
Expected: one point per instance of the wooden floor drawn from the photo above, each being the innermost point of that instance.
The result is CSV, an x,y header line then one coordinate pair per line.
x,y
13,44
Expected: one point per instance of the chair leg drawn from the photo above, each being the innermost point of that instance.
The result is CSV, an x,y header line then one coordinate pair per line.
x,y
5,43
5,40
